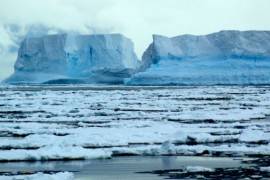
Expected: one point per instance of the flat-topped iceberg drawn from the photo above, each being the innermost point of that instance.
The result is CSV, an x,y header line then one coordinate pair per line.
x,y
63,58
226,57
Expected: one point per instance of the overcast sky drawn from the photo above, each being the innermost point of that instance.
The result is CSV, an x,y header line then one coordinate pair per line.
x,y
137,19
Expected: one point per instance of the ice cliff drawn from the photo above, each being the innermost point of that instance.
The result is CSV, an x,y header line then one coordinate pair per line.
x,y
61,58
226,57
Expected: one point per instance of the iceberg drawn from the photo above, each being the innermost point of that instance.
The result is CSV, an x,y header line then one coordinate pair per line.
x,y
222,58
64,58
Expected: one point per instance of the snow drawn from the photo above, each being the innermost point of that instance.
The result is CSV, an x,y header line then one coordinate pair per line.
x,y
102,58
266,169
245,44
41,176
226,57
251,135
46,123
54,152
198,169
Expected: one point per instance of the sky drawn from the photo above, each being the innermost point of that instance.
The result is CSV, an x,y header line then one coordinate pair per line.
x,y
136,19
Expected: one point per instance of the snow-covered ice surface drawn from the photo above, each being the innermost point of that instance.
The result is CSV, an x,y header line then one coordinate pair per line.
x,y
41,176
198,169
59,123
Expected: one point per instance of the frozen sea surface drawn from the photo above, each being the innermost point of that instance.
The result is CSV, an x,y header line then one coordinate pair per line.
x,y
41,123
54,123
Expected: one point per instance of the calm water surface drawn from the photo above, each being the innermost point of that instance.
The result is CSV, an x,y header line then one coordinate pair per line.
x,y
122,168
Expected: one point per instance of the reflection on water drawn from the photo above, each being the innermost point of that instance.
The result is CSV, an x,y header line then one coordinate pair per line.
x,y
121,168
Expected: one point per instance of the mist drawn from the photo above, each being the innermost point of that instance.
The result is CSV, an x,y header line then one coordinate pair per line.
x,y
137,19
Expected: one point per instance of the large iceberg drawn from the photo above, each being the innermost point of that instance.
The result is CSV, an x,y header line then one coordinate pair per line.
x,y
65,58
226,57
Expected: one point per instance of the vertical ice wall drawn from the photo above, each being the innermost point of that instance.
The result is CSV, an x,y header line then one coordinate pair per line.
x,y
226,57
73,56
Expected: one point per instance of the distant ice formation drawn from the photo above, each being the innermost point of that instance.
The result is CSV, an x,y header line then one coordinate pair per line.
x,y
75,58
223,58
226,57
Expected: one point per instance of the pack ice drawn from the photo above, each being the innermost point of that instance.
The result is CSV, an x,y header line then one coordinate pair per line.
x,y
226,57
65,58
